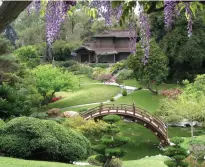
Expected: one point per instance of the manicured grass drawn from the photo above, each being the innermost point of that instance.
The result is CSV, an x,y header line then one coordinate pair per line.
x,y
13,162
133,82
157,161
143,99
187,140
85,80
86,94
145,162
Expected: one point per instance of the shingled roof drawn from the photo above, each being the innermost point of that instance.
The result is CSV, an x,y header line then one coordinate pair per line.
x,y
114,33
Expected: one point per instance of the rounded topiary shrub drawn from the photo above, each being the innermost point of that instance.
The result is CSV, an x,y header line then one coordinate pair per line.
x,y
112,99
93,161
115,163
124,92
32,138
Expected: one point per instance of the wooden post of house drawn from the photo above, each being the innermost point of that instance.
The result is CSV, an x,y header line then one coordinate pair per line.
x,y
114,58
89,58
96,58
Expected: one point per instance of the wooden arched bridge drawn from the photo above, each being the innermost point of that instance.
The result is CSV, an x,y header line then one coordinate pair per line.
x,y
134,113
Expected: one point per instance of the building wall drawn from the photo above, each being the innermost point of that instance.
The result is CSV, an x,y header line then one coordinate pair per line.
x,y
104,43
121,43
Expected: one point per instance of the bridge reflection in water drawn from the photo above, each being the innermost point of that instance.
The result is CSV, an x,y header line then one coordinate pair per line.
x,y
134,113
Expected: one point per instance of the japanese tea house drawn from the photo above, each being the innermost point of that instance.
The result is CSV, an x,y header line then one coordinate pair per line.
x,y
106,47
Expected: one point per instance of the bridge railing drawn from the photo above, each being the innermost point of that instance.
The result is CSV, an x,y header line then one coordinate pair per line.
x,y
127,109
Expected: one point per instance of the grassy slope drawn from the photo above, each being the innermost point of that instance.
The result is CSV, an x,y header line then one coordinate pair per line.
x,y
85,80
86,94
13,162
133,82
147,162
143,99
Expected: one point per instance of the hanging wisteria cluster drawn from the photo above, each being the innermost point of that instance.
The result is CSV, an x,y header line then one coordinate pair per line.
x,y
189,18
55,15
105,10
169,12
144,34
56,12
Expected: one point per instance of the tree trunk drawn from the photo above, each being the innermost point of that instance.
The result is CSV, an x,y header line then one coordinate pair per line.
x,y
192,129
149,87
49,53
107,162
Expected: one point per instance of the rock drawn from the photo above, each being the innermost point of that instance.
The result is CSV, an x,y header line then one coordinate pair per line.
x,y
68,114
53,112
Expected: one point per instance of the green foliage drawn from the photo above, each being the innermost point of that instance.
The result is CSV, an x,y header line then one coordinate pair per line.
x,y
28,55
62,49
115,163
119,66
125,74
124,92
68,63
89,128
2,123
155,70
177,153
5,45
109,144
32,138
50,79
93,161
101,65
112,99
111,119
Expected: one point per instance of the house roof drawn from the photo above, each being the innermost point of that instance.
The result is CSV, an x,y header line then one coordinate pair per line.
x,y
114,33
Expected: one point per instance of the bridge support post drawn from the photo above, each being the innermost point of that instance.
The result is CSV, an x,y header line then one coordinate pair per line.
x,y
101,106
133,105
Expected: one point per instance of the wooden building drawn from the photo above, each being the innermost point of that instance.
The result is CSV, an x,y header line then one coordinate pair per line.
x,y
106,47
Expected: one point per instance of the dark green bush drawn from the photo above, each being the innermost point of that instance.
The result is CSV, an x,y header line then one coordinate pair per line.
x,y
125,74
93,161
68,63
32,138
2,122
112,99
101,65
124,92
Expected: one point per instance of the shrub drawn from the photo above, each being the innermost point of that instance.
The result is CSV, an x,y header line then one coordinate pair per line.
x,y
171,93
101,65
119,65
32,138
105,77
124,92
84,69
2,122
115,163
40,115
97,71
54,99
125,74
93,161
112,99
53,112
68,63
28,55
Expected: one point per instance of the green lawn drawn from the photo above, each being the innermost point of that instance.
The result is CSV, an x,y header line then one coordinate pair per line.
x,y
13,162
85,80
157,161
145,162
143,99
86,94
133,82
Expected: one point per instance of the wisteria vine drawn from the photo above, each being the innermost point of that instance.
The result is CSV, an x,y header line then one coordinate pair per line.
x,y
56,12
144,34
189,18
